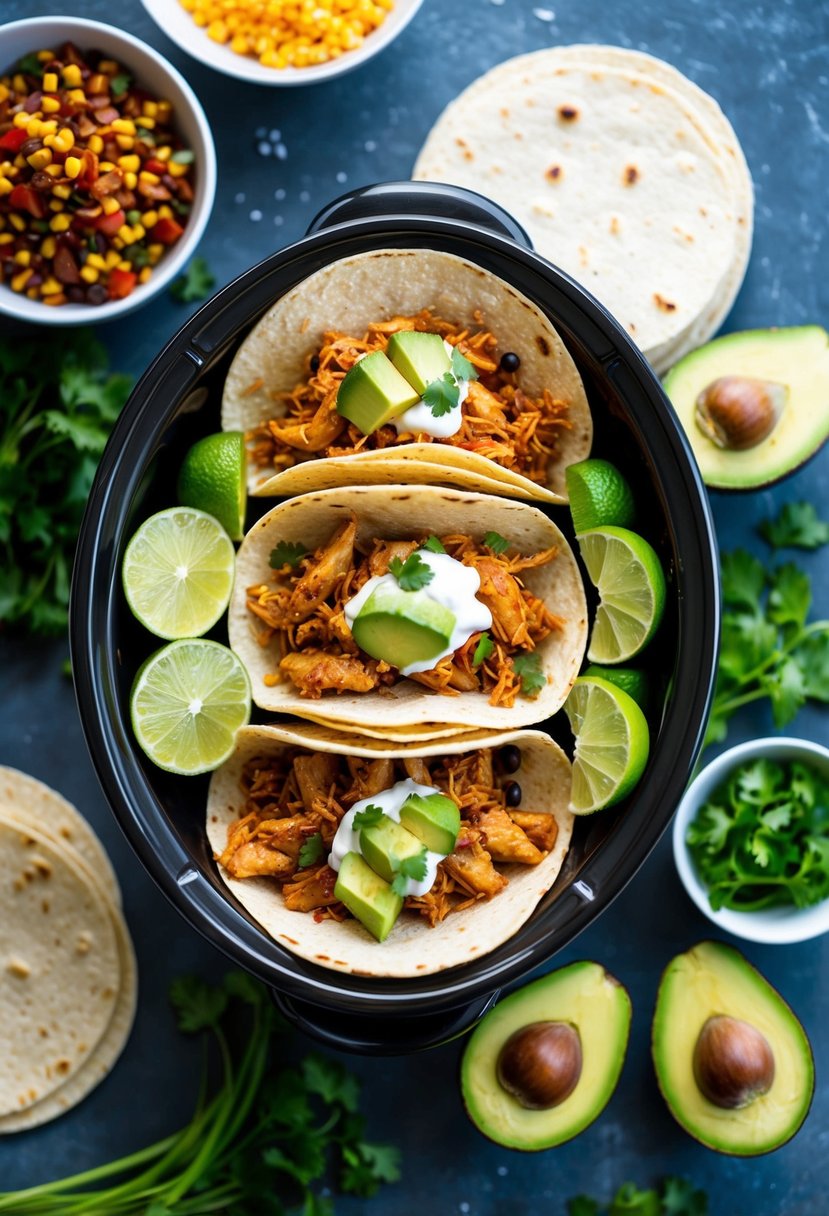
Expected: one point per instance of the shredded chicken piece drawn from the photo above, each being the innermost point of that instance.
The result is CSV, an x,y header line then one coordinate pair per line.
x,y
323,572
310,889
472,869
417,769
315,774
540,828
505,840
315,672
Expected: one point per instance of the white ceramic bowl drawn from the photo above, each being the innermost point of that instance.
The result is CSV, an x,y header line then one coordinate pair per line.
x,y
774,926
153,72
179,25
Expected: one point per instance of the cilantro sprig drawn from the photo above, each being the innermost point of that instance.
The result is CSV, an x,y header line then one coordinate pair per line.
x,y
672,1197
496,542
368,816
286,553
443,395
533,679
196,283
413,574
798,526
433,544
311,851
408,867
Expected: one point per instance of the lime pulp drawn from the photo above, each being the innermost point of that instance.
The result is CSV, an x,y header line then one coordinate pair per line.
x,y
628,576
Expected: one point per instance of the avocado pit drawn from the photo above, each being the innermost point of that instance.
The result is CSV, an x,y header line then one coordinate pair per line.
x,y
733,1062
540,1064
738,412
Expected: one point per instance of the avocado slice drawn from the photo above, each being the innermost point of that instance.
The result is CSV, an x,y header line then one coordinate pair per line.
x,y
583,997
402,627
434,819
367,896
420,358
713,1013
785,375
373,392
386,843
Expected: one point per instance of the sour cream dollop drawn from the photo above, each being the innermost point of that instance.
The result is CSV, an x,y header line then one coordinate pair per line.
x,y
454,585
419,417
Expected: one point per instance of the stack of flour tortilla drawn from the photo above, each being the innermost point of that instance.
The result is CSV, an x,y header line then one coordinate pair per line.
x,y
624,173
68,978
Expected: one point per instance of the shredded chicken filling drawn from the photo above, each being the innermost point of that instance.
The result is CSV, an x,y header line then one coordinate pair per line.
x,y
500,422
303,610
298,796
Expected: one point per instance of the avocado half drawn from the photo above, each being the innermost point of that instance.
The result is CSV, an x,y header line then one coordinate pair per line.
x,y
583,996
795,358
712,981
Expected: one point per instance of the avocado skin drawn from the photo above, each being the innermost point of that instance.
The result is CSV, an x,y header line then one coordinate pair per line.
x,y
496,1113
663,1052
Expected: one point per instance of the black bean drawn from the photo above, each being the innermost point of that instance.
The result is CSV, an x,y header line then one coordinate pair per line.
x,y
97,294
315,363
512,794
510,758
76,295
510,362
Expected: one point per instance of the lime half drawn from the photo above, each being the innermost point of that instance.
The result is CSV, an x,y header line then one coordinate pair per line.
x,y
178,573
626,572
612,744
631,680
187,703
598,495
212,479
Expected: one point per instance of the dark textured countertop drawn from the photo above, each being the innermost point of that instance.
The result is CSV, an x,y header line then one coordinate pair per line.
x,y
768,65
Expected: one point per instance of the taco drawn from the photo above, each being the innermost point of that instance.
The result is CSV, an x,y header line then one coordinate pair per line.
x,y
408,608
275,807
518,416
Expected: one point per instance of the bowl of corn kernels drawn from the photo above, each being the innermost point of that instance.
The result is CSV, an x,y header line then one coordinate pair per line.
x,y
107,171
289,42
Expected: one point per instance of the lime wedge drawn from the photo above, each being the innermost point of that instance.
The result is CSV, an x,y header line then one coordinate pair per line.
x,y
612,744
212,479
628,577
187,703
598,495
631,680
178,573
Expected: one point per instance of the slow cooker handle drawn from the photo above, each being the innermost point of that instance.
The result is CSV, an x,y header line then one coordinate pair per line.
x,y
364,1035
435,199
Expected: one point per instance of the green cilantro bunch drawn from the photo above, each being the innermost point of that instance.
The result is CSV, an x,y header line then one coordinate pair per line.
x,y
673,1197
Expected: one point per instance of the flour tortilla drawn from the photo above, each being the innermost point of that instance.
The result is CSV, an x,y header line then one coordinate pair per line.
x,y
674,236
412,948
59,966
400,512
347,296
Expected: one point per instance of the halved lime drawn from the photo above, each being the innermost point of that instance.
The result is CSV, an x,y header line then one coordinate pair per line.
x,y
612,744
628,577
187,703
178,572
212,479
598,495
631,680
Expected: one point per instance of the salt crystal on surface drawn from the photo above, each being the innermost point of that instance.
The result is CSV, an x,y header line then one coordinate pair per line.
x,y
281,152
264,149
274,136
279,220
256,216
370,145
544,14
304,196
240,198
342,177
279,195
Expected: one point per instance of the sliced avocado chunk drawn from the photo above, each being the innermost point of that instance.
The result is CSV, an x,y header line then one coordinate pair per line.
x,y
714,1013
434,819
763,392
386,843
367,896
402,627
575,1085
373,392
420,358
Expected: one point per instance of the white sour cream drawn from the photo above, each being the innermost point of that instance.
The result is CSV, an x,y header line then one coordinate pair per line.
x,y
347,840
419,417
454,585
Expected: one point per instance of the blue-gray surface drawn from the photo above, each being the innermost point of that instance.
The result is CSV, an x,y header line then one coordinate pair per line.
x,y
768,65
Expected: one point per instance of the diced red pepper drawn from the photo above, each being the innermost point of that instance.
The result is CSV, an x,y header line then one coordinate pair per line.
x,y
88,171
121,283
14,139
155,166
166,231
24,198
109,224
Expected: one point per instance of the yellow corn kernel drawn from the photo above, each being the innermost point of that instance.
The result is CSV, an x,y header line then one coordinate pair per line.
x,y
97,261
34,126
112,259
72,166
123,264
106,165
150,178
149,219
6,238
40,159
130,163
54,170
60,223
17,221
110,66
6,187
177,170
50,82
130,180
110,204
147,123
117,243
4,92
89,274
19,281
155,253
77,95
165,109
48,247
126,234
22,119
165,212
32,293
64,140
72,75
138,232
144,274
23,257
50,286
48,126
218,31
60,298
19,83
163,153
125,142
95,144
49,105
150,109
63,192
123,126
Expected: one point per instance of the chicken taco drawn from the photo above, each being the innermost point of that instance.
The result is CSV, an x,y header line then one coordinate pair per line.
x,y
407,365
386,859
407,609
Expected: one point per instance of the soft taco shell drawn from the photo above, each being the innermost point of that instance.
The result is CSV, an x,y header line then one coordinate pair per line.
x,y
400,512
350,294
412,948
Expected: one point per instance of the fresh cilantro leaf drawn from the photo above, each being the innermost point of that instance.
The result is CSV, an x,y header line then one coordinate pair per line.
x,y
311,851
244,987
412,574
442,395
306,1161
786,690
286,553
408,867
496,542
812,657
798,526
433,544
331,1081
680,1198
119,84
582,1205
533,679
790,596
365,1166
743,580
198,1005
368,817
196,283
630,1201
483,650
462,369
30,65
157,1209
